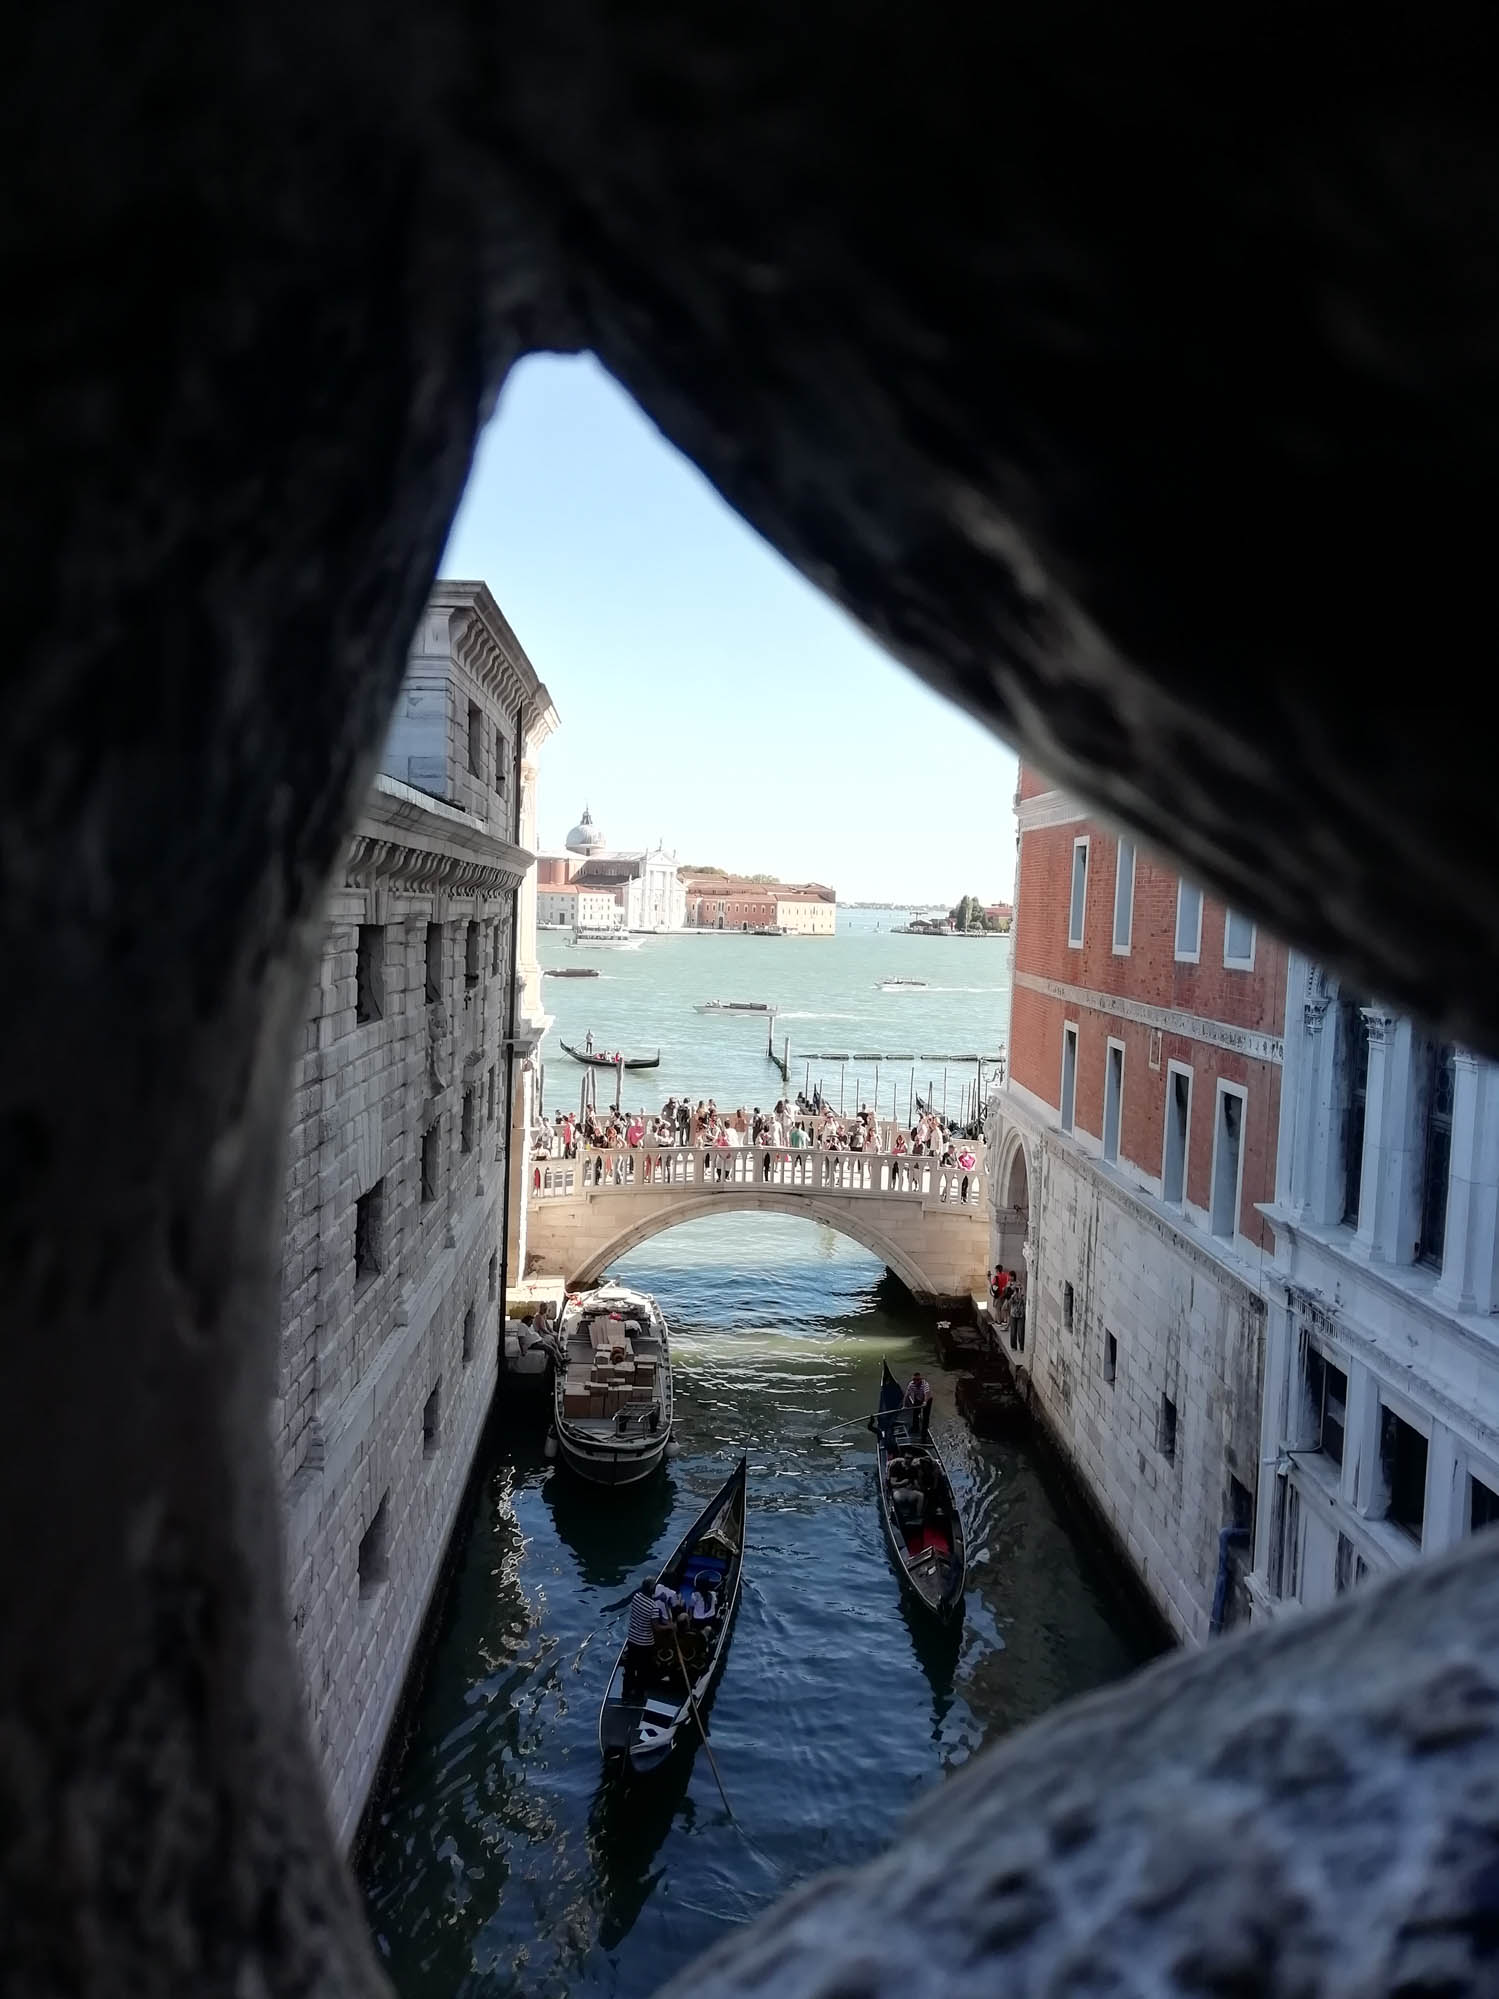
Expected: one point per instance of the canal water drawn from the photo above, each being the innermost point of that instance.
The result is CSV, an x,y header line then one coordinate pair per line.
x,y
499,1861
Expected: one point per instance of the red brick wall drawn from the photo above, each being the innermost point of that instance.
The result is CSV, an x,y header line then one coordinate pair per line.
x,y
1150,973
1032,783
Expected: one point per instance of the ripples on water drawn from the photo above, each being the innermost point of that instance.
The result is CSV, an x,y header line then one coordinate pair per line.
x,y
500,1862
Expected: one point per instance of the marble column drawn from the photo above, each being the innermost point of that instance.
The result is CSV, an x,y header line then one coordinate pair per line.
x,y
1383,1232
1467,1281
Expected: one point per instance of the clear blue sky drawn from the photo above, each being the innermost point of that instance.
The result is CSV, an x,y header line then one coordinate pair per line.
x,y
709,697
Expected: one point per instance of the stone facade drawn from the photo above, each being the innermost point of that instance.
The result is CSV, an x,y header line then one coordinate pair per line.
x,y
1131,1147
1381,1411
392,1260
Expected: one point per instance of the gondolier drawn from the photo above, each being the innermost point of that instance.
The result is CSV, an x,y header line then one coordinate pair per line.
x,y
918,1399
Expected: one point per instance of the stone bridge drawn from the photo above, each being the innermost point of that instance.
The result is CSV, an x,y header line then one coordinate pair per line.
x,y
927,1223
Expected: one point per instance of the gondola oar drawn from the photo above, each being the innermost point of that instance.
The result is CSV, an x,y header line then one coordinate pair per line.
x,y
703,1733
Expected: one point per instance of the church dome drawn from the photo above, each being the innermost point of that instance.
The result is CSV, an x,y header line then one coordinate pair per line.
x,y
585,838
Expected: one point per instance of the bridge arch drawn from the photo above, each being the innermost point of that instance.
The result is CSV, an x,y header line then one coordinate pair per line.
x,y
845,1218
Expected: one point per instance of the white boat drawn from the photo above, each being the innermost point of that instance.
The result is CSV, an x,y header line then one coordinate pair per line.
x,y
612,1390
898,985
733,1006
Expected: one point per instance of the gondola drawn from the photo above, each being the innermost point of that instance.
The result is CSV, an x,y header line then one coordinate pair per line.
x,y
640,1724
608,1061
922,1522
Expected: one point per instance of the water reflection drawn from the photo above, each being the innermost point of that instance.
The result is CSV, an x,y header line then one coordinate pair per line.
x,y
501,1863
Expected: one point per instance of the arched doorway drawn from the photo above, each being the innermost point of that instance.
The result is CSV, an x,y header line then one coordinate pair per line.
x,y
1012,1213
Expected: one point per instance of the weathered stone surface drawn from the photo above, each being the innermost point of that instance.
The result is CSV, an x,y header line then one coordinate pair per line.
x,y
1143,396
1313,1811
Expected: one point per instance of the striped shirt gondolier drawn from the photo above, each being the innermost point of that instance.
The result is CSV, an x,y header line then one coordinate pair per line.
x,y
642,1620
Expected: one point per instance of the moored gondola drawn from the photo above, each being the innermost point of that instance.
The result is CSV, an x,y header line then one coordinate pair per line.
x,y
918,1510
613,1061
650,1700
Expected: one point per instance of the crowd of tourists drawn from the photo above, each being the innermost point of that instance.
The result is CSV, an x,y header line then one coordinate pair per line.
x,y
780,1135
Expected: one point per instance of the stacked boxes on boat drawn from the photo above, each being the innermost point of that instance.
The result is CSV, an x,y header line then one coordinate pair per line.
x,y
612,1361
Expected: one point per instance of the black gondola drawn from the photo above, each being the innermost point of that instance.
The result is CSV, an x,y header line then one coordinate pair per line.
x,y
642,1717
918,1512
609,1062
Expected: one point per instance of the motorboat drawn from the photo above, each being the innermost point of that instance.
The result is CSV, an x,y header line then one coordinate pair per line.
x,y
734,1006
612,1386
899,985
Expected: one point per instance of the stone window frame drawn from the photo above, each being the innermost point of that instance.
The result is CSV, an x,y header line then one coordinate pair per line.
x,y
431,1166
1077,893
1125,847
470,1338
1174,1069
472,949
1168,1428
369,1234
468,1120
1241,1091
1110,1357
372,1563
1067,1111
432,1421
1239,961
433,952
369,973
1112,1046
1194,955
475,743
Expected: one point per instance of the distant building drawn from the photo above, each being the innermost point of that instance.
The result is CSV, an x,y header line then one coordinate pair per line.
x,y
1000,913
1134,1143
576,908
643,890
717,901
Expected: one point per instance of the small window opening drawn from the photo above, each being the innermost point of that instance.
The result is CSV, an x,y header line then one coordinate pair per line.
x,y
369,977
434,962
1110,1357
466,1129
1178,1105
1327,1388
1354,1053
1168,1428
1238,941
1442,1076
470,1323
489,1096
1113,1095
501,763
1069,1076
432,1420
1483,1505
1077,909
431,1141
1240,1505
1067,1307
1347,1567
1188,921
494,949
494,1276
374,1553
1124,896
369,1226
1226,1163
1402,1464
475,740
471,956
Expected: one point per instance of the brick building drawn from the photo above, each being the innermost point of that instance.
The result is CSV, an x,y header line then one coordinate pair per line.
x,y
398,1151
736,902
1133,1140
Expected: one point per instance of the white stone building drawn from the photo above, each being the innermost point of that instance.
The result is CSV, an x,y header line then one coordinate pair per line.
x,y
394,1255
807,915
570,907
1381,1406
644,887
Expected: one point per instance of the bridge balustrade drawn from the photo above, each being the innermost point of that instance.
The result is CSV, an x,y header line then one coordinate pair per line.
x,y
736,1170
